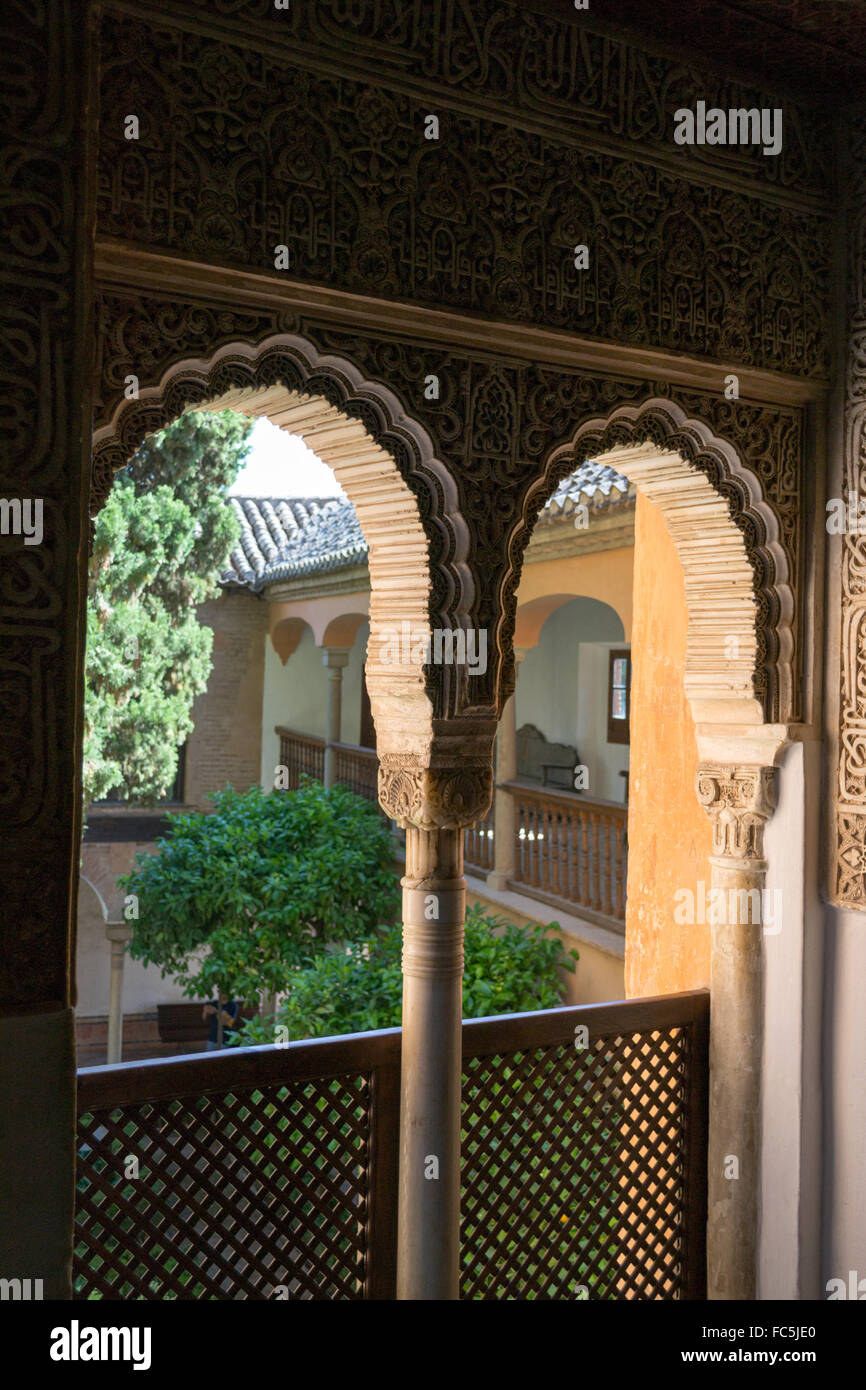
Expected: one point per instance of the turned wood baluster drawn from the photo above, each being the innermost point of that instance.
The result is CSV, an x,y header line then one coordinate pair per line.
x,y
584,895
571,862
604,894
595,860
617,872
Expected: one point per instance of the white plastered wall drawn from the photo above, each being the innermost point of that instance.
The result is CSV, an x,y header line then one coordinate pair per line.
x,y
562,689
295,696
143,985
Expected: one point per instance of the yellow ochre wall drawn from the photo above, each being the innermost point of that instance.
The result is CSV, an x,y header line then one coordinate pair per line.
x,y
668,832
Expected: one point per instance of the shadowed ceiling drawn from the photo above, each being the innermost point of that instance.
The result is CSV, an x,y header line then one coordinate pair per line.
x,y
820,44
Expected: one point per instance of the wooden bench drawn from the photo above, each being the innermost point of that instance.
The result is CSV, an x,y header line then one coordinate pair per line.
x,y
538,760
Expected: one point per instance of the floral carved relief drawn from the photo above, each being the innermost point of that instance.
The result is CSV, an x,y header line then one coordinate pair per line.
x,y
848,884
339,172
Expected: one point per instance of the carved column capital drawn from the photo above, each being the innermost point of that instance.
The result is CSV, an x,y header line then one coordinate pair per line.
x,y
739,799
434,798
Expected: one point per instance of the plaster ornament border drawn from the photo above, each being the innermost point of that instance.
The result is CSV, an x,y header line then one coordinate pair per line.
x,y
739,658
847,869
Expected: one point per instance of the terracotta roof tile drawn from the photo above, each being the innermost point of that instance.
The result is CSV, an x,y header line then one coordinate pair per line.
x,y
284,537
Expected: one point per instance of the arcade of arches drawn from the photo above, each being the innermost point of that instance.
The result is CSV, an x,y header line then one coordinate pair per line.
x,y
157,273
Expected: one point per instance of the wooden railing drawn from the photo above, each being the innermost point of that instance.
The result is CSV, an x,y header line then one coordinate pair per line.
x,y
478,845
358,768
572,848
271,1172
301,753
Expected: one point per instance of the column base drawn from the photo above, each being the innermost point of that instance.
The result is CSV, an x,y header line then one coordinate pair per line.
x,y
498,881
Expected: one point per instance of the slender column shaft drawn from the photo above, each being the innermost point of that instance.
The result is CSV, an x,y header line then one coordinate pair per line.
x,y
736,1045
335,659
739,801
505,806
118,936
434,901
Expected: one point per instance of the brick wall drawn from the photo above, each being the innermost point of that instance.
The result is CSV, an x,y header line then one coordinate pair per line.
x,y
225,746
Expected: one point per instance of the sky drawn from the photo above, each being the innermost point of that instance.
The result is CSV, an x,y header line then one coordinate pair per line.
x,y
281,465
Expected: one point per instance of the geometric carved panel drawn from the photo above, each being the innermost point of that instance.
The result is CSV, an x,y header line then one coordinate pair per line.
x,y
726,256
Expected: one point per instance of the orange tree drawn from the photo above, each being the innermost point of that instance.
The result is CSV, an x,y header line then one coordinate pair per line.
x,y
241,898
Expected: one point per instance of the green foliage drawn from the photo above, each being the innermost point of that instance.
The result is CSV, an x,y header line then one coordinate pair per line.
x,y
198,457
259,887
160,544
508,969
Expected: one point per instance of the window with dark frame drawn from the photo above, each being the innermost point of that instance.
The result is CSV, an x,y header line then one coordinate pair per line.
x,y
619,696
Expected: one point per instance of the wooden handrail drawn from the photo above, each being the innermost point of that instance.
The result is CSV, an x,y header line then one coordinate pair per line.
x,y
358,750
572,800
136,1083
312,740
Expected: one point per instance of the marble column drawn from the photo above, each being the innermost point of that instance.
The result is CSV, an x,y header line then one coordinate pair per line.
x,y
739,801
119,935
335,660
505,814
434,899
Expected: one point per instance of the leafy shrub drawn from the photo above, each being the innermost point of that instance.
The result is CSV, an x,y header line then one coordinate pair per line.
x,y
508,969
242,898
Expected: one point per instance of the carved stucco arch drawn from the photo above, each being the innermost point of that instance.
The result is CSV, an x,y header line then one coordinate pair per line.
x,y
740,602
407,507
740,692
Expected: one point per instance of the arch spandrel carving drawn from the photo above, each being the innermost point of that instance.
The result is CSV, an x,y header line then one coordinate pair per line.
x,y
478,488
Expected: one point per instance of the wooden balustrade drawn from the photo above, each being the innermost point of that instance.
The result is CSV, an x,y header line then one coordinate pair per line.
x,y
301,753
571,848
358,768
478,845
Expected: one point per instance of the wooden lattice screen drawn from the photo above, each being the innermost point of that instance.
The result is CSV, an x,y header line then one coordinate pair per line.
x,y
271,1172
584,1159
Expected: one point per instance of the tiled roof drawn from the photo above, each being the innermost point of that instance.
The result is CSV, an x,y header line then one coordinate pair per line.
x,y
284,537
594,485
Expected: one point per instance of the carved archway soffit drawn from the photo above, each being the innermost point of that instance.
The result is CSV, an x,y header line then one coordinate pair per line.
x,y
293,363
434,756
741,638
